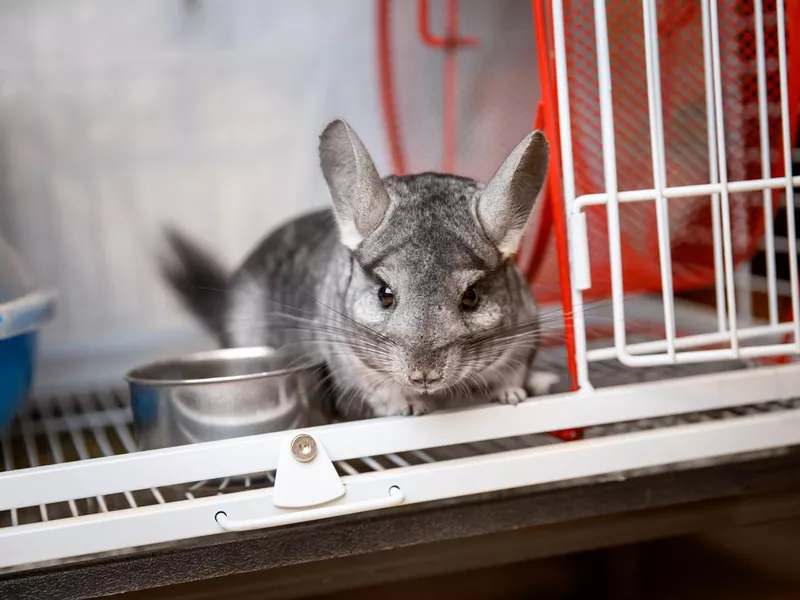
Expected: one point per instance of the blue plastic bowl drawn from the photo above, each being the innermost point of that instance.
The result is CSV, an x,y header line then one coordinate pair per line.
x,y
17,360
20,320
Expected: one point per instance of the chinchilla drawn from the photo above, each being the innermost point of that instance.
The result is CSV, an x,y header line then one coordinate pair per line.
x,y
407,289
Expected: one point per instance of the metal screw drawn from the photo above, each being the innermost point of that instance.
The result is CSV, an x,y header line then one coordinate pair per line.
x,y
304,448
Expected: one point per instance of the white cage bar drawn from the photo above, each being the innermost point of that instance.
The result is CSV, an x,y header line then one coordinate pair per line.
x,y
730,331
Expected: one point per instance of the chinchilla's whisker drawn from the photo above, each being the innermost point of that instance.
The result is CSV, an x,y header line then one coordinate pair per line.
x,y
365,354
476,378
462,387
385,383
325,327
351,345
497,336
509,362
344,340
559,319
584,307
312,325
316,331
343,348
341,314
288,321
512,339
361,326
336,317
552,317
316,317
533,329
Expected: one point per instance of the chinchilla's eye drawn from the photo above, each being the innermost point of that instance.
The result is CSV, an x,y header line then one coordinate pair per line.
x,y
386,296
469,299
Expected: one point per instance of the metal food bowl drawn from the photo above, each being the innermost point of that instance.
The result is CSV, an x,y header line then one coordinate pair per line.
x,y
223,394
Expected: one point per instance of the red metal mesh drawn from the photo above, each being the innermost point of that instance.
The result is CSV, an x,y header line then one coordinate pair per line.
x,y
686,136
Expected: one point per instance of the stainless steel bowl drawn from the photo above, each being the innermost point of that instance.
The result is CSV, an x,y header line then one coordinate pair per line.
x,y
223,394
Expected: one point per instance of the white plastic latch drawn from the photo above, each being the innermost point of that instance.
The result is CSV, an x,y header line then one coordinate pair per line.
x,y
579,246
305,476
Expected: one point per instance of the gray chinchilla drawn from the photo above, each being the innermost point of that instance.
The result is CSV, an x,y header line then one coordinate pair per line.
x,y
407,288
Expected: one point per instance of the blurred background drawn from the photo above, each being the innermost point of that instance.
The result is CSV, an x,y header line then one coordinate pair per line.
x,y
118,118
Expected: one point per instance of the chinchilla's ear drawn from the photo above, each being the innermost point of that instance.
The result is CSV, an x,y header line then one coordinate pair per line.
x,y
507,200
359,197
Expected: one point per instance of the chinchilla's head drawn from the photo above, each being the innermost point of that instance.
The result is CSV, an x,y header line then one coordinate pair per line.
x,y
434,287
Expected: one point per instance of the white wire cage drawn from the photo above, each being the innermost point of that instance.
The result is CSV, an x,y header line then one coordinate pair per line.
x,y
689,213
74,485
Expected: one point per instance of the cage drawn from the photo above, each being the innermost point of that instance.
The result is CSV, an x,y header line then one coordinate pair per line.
x,y
671,180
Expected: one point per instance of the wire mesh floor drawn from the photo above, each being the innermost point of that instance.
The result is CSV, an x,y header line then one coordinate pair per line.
x,y
78,427
72,427
69,428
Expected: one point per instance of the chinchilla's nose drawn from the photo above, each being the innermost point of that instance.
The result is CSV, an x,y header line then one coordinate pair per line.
x,y
424,377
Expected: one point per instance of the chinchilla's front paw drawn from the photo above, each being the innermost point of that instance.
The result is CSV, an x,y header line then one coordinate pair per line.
x,y
397,406
418,407
540,383
511,396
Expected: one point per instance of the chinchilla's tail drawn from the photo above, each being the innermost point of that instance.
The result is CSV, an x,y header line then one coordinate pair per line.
x,y
198,279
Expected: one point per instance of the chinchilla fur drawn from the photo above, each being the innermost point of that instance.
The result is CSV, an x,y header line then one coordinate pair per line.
x,y
407,288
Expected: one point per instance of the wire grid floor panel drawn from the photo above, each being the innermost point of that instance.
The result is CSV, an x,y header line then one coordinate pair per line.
x,y
77,427
395,461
